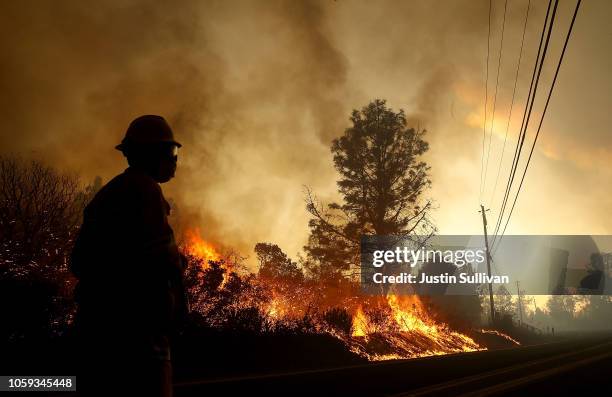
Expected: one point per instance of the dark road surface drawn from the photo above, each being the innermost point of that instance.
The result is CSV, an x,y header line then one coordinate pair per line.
x,y
576,365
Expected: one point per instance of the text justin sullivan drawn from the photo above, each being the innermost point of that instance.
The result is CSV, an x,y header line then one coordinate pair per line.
x,y
445,278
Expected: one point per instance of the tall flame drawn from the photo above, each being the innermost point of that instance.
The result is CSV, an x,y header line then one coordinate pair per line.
x,y
409,332
361,325
407,319
198,247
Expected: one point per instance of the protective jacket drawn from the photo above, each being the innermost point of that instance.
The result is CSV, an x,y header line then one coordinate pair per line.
x,y
128,266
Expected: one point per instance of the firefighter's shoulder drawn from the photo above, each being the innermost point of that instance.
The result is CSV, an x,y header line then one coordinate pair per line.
x,y
138,182
128,188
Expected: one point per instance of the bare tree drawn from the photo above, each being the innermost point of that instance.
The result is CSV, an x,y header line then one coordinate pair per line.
x,y
40,211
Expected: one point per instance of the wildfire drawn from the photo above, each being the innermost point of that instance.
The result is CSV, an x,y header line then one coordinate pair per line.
x,y
198,247
277,308
377,328
408,332
361,325
408,320
274,309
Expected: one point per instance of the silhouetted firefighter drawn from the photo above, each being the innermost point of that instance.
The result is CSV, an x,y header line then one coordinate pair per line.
x,y
130,293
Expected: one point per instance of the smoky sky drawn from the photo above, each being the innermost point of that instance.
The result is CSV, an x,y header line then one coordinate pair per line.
x,y
257,90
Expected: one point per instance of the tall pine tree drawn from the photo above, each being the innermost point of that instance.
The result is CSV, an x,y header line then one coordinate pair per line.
x,y
382,179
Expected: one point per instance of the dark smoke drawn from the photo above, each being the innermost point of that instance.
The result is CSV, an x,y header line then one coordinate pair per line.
x,y
255,91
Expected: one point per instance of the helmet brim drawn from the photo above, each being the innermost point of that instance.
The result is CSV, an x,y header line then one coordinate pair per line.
x,y
123,145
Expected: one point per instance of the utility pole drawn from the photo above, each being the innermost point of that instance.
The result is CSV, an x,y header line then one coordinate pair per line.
x,y
484,225
520,303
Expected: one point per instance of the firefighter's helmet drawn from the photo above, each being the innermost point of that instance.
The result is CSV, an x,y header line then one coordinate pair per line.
x,y
146,130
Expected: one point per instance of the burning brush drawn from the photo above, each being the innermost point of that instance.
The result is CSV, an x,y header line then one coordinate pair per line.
x,y
377,328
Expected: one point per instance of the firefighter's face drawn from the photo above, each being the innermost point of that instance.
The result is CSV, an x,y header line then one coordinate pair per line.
x,y
157,160
167,157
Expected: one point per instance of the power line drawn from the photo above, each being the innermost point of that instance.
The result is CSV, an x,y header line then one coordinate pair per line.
x,y
523,130
518,68
525,125
499,58
484,126
567,37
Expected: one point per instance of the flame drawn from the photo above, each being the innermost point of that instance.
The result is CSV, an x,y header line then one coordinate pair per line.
x,y
276,307
361,325
198,247
408,333
495,332
407,320
381,327
274,310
